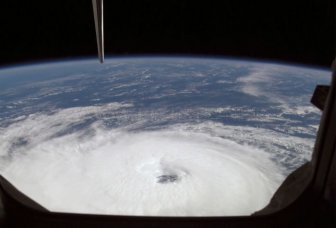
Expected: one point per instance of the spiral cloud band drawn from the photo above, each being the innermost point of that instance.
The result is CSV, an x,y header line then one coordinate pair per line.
x,y
180,170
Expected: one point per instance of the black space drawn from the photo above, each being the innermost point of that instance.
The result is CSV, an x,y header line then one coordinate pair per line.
x,y
299,31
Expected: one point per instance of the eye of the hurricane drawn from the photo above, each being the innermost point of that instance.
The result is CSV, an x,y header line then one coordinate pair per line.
x,y
167,178
162,172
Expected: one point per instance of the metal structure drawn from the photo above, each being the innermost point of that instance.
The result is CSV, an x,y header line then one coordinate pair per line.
x,y
98,13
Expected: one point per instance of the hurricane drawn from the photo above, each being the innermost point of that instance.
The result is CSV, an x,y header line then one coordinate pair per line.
x,y
133,146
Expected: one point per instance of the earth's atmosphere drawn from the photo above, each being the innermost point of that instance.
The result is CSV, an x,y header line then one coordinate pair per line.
x,y
156,136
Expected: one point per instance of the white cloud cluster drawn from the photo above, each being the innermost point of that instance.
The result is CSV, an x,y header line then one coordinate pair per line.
x,y
180,170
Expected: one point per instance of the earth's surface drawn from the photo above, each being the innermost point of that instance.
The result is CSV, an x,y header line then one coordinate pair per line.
x,y
156,136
